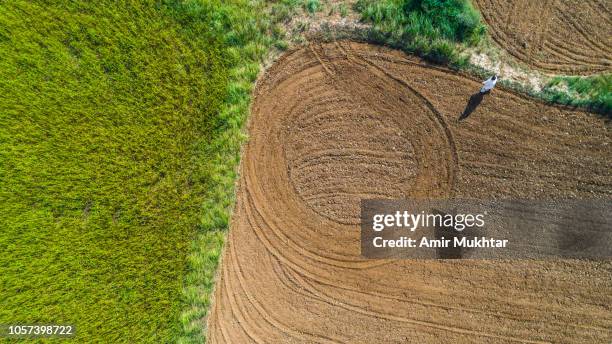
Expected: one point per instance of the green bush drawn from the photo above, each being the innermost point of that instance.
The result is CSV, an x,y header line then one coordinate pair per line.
x,y
429,28
455,19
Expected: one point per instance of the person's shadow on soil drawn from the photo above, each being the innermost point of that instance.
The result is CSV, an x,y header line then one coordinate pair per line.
x,y
472,104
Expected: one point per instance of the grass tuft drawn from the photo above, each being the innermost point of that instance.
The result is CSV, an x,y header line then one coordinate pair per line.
x,y
312,6
343,10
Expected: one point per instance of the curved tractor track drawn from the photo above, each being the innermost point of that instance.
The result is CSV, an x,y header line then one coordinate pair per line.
x,y
334,123
558,36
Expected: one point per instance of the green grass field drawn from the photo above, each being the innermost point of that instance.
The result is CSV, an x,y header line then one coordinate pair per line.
x,y
105,115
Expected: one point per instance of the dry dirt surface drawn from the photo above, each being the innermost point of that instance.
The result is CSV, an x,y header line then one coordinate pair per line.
x,y
335,123
558,36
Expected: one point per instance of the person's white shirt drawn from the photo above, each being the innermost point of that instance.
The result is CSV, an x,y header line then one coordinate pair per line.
x,y
489,84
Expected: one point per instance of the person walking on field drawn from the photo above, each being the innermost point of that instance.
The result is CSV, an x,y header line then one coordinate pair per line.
x,y
489,84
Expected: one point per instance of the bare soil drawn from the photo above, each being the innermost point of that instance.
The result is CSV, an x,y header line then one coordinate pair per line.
x,y
557,36
335,123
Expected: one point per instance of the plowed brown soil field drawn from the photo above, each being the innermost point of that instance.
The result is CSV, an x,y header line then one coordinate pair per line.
x,y
334,123
560,36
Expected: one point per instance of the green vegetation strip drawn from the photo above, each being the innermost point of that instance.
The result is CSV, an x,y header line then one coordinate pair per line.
x,y
591,92
247,34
